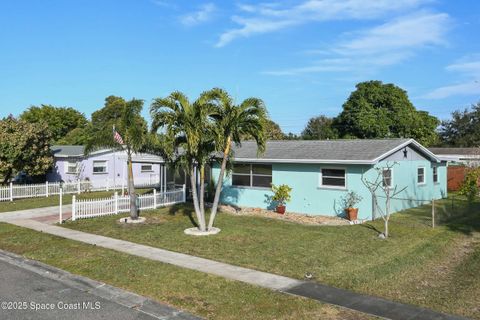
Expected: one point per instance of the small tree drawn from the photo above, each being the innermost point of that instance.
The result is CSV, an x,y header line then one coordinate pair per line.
x,y
380,187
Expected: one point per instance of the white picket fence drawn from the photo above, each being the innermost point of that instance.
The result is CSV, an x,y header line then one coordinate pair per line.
x,y
89,208
13,191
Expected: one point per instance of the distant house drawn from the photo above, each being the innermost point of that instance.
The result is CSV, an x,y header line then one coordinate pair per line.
x,y
321,173
459,159
467,156
107,167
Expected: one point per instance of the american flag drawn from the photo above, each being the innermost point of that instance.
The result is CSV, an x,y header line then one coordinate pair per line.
x,y
117,137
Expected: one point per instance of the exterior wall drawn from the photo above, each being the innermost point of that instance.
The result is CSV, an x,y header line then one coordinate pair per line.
x,y
310,198
116,170
307,195
404,174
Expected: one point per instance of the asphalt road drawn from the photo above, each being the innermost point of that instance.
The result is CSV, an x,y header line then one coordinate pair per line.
x,y
40,297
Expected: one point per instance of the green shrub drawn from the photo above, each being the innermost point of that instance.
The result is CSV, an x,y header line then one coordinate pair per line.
x,y
469,187
281,194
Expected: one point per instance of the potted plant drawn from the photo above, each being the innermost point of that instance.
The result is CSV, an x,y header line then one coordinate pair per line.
x,y
281,195
349,201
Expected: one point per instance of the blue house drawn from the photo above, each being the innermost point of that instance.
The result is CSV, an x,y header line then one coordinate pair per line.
x,y
322,172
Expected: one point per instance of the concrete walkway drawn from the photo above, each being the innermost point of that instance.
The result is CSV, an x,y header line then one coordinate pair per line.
x,y
344,298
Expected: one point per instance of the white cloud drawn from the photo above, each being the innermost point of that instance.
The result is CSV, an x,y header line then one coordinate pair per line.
x,y
270,17
204,14
468,70
380,46
462,89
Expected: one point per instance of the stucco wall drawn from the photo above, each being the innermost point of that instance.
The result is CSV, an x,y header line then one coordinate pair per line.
x,y
308,197
405,176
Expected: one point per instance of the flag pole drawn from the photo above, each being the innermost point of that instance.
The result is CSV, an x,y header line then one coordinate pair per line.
x,y
114,169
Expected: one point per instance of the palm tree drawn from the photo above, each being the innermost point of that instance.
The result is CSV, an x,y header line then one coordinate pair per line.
x,y
233,123
189,127
133,129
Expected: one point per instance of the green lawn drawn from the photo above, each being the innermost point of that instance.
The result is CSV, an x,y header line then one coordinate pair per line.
x,y
31,203
205,295
436,268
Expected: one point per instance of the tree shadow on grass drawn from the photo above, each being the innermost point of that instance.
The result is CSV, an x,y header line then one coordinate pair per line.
x,y
185,210
371,227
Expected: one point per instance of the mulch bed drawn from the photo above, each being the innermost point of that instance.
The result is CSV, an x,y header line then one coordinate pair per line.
x,y
288,216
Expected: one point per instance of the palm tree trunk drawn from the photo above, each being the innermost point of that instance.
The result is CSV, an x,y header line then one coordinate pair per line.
x,y
193,182
202,193
218,189
131,189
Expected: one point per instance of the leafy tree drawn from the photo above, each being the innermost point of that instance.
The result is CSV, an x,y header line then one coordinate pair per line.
x,y
232,123
463,130
60,120
188,127
377,110
272,131
24,147
78,136
130,125
319,128
110,114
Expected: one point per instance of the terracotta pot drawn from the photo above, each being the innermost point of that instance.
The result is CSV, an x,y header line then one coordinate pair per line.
x,y
352,213
281,209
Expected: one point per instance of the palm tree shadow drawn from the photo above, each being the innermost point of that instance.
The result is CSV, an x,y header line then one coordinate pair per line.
x,y
185,211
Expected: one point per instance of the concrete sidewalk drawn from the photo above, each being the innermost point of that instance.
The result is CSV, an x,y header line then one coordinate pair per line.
x,y
344,298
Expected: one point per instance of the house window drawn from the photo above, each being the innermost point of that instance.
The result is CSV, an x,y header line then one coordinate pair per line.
x,y
146,167
72,167
435,174
100,166
387,178
421,175
252,175
335,178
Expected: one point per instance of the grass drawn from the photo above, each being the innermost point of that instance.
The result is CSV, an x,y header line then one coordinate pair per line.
x,y
417,264
205,295
32,203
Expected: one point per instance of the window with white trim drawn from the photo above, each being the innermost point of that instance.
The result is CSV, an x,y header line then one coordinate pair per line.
x,y
421,175
435,174
387,178
100,166
71,167
252,175
146,167
334,178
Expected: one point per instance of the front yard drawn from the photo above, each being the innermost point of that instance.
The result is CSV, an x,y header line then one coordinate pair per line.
x,y
205,295
436,268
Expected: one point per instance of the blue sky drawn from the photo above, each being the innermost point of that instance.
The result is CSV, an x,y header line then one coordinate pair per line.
x,y
303,57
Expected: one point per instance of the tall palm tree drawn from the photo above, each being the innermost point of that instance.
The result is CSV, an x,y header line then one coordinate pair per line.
x,y
233,123
133,129
189,127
